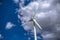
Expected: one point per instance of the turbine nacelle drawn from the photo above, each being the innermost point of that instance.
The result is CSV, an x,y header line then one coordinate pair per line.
x,y
35,23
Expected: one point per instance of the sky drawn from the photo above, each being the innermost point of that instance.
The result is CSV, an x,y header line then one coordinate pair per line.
x,y
15,16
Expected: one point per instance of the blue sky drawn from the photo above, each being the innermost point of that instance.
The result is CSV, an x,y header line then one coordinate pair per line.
x,y
7,14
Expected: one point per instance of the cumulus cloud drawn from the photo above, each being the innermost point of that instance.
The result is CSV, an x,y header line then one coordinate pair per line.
x,y
47,15
9,25
29,38
1,37
16,1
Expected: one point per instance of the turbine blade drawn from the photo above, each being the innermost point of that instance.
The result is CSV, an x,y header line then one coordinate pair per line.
x,y
37,24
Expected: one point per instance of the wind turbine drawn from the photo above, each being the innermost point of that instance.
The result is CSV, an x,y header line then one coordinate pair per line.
x,y
35,23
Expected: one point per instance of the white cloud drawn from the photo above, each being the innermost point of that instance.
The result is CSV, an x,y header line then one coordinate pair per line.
x,y
45,4
16,1
1,37
29,38
48,36
38,37
47,17
9,25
